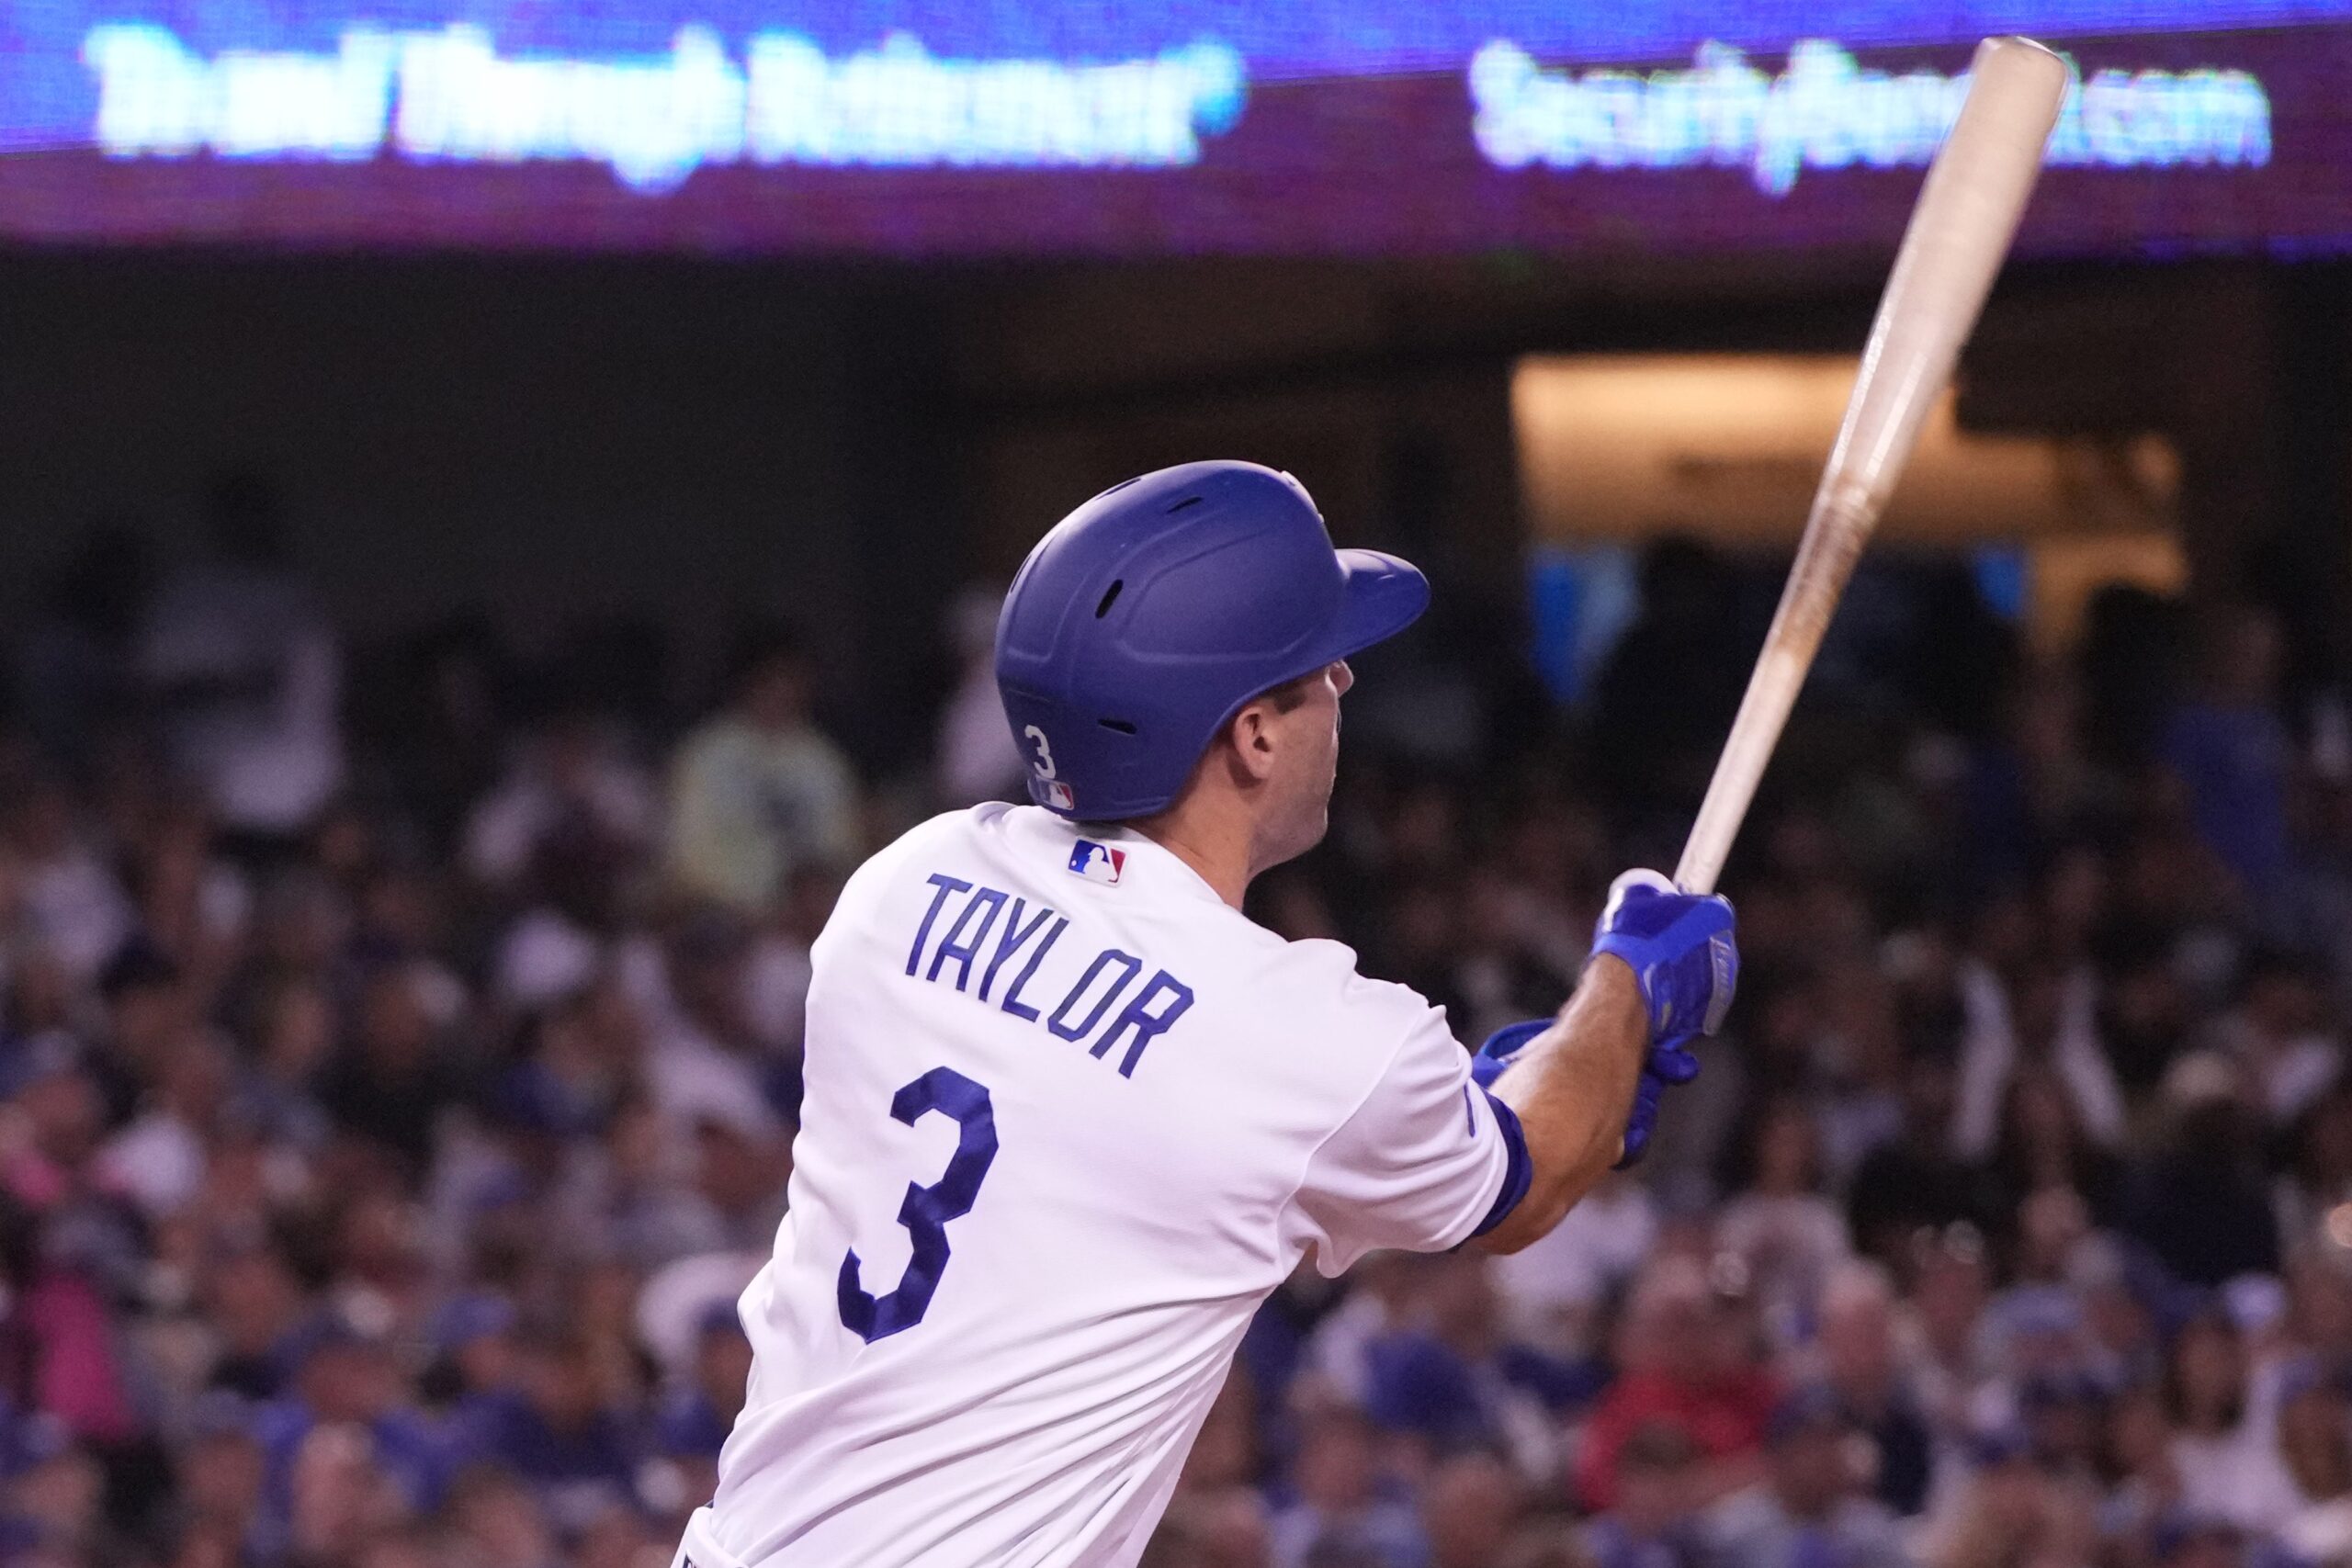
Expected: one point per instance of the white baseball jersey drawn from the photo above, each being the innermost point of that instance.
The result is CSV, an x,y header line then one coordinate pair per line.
x,y
1070,1119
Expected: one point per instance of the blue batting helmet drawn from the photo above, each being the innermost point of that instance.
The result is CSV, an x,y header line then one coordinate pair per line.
x,y
1143,620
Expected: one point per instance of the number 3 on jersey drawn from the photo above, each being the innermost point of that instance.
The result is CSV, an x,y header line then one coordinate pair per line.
x,y
927,1209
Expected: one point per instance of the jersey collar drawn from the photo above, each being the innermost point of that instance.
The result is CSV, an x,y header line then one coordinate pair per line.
x,y
1168,873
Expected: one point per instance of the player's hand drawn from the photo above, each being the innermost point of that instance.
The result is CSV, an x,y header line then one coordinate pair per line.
x,y
1669,1065
1681,949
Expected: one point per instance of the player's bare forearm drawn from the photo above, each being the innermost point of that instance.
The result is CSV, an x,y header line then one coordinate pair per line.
x,y
1572,1089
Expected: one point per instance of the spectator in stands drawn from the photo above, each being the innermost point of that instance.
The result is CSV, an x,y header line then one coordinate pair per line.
x,y
257,1311
1471,1507
571,784
704,1057
1810,1508
741,1166
69,906
496,1520
637,1205
1958,1364
2223,1447
560,1429
2315,1441
693,1421
1664,695
2276,1038
776,971
2042,1147
2144,1012
1861,1365
759,791
294,1025
1680,1361
2143,1483
2198,1540
2045,1015
1448,1377
2064,1416
1553,1290
1655,1521
975,757
1913,1182
473,1342
148,1005
348,1383
1345,1509
2230,750
338,1495
2318,1177
1786,1234
221,1474
1859,1067
2121,1289
396,1078
248,673
1226,1529
2008,1513
2202,1203
72,1249
159,1159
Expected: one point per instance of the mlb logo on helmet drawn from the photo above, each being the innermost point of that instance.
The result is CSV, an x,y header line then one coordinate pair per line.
x,y
1097,862
1059,796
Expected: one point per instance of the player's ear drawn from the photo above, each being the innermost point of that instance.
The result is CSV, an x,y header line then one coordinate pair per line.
x,y
1252,735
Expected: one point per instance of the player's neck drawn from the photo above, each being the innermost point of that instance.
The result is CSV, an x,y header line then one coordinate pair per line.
x,y
1212,842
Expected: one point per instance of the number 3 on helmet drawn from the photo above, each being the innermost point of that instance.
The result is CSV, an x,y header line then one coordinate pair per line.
x,y
1044,759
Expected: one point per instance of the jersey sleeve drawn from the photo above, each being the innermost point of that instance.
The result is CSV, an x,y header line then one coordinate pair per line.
x,y
1426,1162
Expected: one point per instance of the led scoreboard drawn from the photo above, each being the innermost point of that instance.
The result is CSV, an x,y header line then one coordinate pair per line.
x,y
933,127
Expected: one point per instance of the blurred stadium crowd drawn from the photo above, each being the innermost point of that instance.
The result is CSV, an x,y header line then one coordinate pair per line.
x,y
401,1056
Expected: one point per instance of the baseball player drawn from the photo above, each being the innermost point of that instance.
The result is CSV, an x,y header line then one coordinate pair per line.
x,y
1071,1115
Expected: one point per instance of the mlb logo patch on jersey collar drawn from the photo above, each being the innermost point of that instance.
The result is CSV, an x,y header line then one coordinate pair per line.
x,y
1097,862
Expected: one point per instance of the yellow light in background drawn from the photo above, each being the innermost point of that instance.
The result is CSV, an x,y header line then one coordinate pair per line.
x,y
2064,571
1730,447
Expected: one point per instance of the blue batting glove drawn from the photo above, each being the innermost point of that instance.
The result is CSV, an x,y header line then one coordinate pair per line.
x,y
1670,1060
1681,951
1503,1048
1668,1065
1647,1093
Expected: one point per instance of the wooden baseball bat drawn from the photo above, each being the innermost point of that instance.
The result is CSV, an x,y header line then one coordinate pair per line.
x,y
1968,211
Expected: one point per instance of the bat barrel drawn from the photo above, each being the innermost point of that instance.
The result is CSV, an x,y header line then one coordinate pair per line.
x,y
1968,211
1967,214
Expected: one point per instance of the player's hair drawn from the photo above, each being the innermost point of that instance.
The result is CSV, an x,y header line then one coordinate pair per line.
x,y
1291,695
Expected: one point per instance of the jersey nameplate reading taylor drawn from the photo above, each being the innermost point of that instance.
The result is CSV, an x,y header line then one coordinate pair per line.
x,y
1085,988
